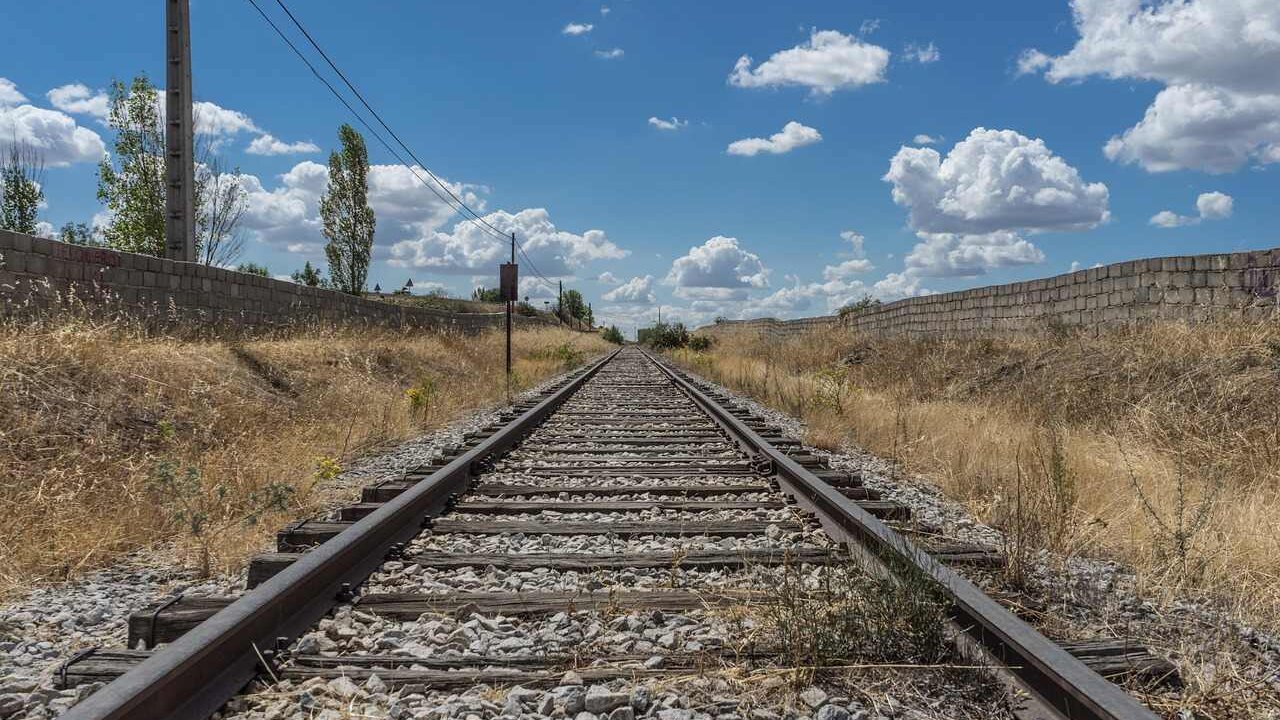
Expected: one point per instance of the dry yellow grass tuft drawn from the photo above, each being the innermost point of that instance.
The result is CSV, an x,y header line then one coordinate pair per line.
x,y
1155,445
111,440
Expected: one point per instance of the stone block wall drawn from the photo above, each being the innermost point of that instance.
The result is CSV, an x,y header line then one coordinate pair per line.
x,y
1193,288
39,275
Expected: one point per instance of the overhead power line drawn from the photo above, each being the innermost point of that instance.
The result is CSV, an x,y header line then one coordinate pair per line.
x,y
451,200
456,203
382,122
533,267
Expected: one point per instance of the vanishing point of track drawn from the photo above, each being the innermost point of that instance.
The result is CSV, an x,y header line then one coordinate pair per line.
x,y
626,427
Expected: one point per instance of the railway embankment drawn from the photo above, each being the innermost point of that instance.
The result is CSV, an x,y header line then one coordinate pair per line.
x,y
115,439
1129,474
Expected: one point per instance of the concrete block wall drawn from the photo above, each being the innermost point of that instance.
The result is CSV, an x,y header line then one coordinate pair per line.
x,y
775,327
39,275
1194,288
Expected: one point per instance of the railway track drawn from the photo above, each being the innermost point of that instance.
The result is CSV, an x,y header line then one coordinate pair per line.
x,y
611,529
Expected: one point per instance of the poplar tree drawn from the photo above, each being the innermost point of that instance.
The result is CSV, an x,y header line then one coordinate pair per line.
x,y
134,192
132,182
21,170
348,219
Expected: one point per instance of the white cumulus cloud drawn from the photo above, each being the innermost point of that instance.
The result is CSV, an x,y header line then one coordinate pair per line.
x,y
1215,205
896,286
994,180
828,61
1032,61
466,249
674,123
78,99
9,94
1218,60
288,215
792,136
577,28
1203,128
636,291
1209,206
969,207
607,278
923,139
218,121
269,145
858,265
611,54
950,254
1171,219
718,269
53,134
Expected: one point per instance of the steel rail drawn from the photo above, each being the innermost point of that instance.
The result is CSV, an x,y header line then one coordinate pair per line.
x,y
204,668
1059,685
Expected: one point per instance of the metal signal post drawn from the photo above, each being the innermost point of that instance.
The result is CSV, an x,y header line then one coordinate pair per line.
x,y
180,169
509,289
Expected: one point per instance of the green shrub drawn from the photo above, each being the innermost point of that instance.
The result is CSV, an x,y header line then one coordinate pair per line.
x,y
204,511
565,354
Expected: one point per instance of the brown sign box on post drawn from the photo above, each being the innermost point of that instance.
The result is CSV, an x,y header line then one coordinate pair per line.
x,y
509,282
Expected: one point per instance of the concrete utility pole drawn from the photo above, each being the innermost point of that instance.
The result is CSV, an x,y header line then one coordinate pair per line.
x,y
179,136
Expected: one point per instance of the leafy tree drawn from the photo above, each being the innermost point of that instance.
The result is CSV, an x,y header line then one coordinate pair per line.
x,y
348,219
866,302
222,203
134,187
79,234
483,294
21,170
134,192
573,306
663,336
614,335
253,269
309,276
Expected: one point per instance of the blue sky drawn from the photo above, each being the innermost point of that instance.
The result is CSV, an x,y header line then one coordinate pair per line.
x,y
1099,116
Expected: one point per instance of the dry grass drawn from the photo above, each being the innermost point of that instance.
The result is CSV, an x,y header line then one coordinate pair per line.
x,y
93,417
1158,446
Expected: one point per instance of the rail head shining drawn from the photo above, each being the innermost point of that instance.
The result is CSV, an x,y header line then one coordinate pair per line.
x,y
1058,684
200,671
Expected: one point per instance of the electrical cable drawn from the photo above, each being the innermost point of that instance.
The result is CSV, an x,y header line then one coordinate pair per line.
x,y
382,122
365,123
457,204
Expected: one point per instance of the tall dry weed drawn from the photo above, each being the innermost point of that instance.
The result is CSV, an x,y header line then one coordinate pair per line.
x,y
91,411
1158,445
